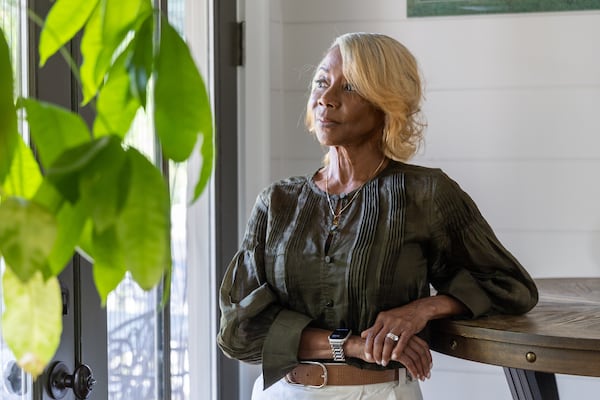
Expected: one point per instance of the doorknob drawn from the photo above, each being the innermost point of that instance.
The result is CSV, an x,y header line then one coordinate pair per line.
x,y
81,382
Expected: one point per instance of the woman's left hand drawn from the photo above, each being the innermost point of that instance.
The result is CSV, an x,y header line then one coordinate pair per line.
x,y
404,322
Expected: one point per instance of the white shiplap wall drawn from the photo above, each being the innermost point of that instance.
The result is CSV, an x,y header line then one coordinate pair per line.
x,y
512,103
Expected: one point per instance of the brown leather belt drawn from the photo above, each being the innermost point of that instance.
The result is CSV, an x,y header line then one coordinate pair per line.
x,y
316,374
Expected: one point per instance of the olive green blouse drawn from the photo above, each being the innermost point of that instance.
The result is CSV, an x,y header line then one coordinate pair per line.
x,y
410,227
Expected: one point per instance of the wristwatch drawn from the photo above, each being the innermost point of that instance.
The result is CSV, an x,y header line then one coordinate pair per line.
x,y
336,340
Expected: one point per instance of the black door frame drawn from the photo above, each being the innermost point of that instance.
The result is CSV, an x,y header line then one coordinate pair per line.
x,y
226,166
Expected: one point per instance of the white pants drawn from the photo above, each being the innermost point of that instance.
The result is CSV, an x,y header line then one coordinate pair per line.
x,y
404,390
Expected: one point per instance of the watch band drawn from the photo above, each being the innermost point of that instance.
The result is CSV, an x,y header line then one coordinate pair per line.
x,y
338,351
336,340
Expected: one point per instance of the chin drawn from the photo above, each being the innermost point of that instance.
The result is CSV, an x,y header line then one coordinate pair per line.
x,y
322,138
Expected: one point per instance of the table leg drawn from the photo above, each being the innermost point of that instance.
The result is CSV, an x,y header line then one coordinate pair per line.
x,y
531,385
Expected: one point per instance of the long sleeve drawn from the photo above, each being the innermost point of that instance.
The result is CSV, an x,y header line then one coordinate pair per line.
x,y
472,265
254,326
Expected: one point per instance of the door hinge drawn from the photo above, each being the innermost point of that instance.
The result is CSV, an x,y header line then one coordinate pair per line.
x,y
239,38
65,300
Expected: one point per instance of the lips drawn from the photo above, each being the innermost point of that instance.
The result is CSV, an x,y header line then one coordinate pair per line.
x,y
323,120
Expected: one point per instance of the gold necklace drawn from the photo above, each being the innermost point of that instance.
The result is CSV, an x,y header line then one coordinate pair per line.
x,y
336,215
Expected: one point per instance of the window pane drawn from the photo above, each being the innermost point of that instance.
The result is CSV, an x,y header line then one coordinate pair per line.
x,y
134,326
14,385
179,300
180,385
13,24
135,329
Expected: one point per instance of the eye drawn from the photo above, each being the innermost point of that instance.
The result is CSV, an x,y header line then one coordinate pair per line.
x,y
319,83
348,87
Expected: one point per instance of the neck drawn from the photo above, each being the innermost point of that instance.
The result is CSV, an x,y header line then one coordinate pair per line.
x,y
344,175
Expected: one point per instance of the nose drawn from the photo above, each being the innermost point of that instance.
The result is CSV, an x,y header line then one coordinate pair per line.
x,y
329,97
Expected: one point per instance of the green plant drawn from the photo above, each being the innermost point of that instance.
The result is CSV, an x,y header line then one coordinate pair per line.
x,y
87,191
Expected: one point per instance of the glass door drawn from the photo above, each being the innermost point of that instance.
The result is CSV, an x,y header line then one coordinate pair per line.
x,y
133,349
14,384
148,344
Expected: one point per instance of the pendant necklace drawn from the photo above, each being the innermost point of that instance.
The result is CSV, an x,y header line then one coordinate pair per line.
x,y
336,215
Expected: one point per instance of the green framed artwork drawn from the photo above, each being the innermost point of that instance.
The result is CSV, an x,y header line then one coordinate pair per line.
x,y
423,8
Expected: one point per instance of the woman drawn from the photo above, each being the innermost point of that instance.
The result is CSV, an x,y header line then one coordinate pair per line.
x,y
331,286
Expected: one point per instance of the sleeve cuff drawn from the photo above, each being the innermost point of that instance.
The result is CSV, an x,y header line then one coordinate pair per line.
x,y
280,350
465,289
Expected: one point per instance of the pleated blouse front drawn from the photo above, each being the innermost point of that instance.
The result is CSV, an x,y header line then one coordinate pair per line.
x,y
408,228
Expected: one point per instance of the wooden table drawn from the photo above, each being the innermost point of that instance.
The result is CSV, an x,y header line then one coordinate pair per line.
x,y
560,335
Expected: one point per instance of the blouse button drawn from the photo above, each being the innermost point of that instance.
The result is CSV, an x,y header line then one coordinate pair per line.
x,y
327,259
329,303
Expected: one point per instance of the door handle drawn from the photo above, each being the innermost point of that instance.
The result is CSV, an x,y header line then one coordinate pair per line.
x,y
60,381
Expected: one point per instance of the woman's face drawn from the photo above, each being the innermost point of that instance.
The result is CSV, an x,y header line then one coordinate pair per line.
x,y
341,116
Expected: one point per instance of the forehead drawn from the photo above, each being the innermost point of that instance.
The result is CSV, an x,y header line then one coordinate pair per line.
x,y
332,61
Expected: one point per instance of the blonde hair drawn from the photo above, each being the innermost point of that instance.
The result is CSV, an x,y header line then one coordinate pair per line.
x,y
386,74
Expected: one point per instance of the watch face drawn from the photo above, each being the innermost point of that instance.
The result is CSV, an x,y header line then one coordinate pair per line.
x,y
340,333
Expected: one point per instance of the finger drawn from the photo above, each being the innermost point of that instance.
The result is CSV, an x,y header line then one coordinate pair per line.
x,y
409,365
405,337
413,367
368,349
421,367
422,347
370,336
418,357
379,341
421,356
389,345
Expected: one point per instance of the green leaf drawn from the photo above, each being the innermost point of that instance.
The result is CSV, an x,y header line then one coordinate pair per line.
x,y
122,16
84,247
109,262
207,155
64,173
32,320
64,20
27,234
48,196
146,210
70,222
9,135
95,174
117,105
139,65
103,184
107,278
96,55
24,177
108,25
182,109
53,129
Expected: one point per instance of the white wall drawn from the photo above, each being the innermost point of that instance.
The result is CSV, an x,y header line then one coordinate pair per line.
x,y
512,104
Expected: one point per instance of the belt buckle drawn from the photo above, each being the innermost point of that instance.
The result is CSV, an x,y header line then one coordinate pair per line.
x,y
324,376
